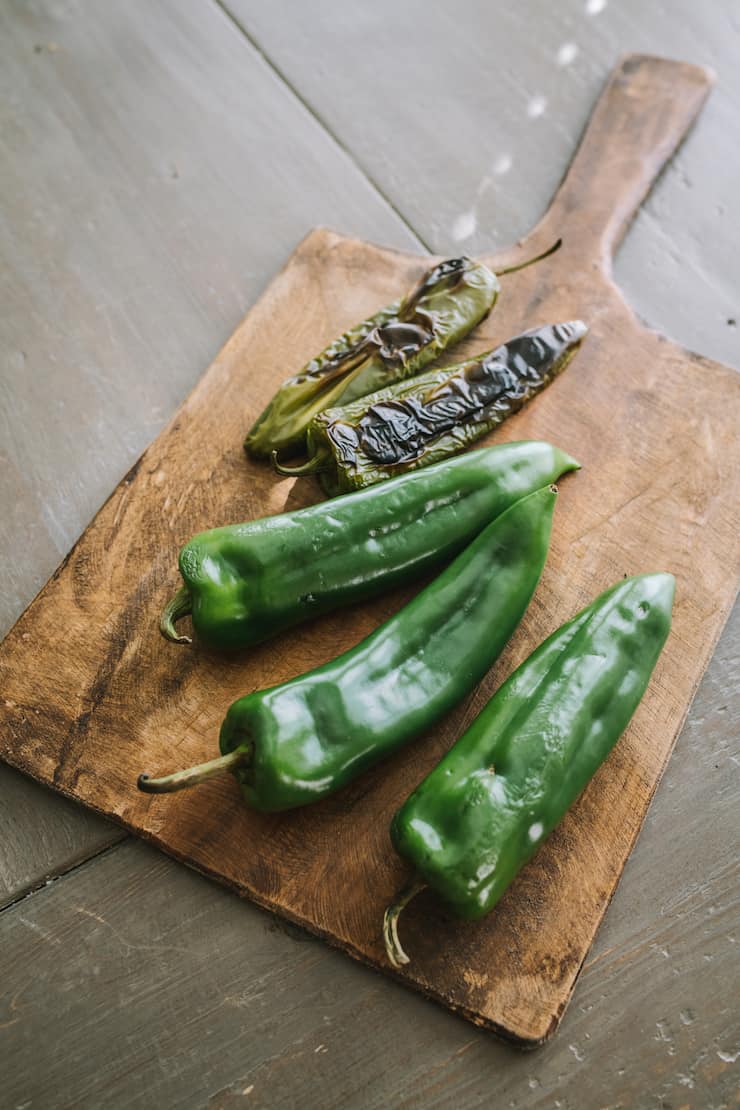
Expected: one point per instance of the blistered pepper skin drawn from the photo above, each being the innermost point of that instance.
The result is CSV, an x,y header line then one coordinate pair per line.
x,y
485,809
309,736
395,343
247,582
434,415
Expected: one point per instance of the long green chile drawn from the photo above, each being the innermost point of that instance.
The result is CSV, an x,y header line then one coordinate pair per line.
x,y
394,343
247,582
299,741
485,809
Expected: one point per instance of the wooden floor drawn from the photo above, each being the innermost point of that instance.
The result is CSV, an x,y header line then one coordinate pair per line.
x,y
158,162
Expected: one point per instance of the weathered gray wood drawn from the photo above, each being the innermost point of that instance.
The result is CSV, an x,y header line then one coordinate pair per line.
x,y
42,835
155,173
441,103
134,983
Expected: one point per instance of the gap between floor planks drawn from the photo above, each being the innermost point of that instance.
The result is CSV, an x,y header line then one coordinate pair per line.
x,y
49,880
319,119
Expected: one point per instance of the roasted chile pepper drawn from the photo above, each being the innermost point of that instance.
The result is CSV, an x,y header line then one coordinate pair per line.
x,y
247,582
295,743
485,809
395,343
435,415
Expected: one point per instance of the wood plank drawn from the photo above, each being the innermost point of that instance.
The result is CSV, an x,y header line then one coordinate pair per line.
x,y
43,835
456,140
636,507
154,172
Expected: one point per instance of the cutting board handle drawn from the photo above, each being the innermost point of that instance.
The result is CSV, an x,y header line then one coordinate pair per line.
x,y
641,116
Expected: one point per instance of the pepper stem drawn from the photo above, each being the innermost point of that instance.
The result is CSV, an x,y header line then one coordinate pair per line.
x,y
531,261
191,776
180,606
393,948
310,466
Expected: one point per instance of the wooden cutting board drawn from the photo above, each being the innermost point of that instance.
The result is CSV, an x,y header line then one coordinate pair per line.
x,y
91,695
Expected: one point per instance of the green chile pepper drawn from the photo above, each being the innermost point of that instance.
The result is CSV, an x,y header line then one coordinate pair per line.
x,y
247,582
295,743
435,415
395,343
487,806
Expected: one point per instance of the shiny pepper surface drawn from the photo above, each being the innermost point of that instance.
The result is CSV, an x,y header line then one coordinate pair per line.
x,y
299,741
487,806
247,582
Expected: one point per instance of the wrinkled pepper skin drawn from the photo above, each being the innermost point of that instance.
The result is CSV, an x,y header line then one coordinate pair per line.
x,y
449,301
313,734
435,415
247,582
488,805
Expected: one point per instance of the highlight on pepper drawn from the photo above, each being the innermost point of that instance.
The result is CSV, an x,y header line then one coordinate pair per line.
x,y
247,582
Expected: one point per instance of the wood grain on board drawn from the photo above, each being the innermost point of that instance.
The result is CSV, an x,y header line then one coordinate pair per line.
x,y
92,695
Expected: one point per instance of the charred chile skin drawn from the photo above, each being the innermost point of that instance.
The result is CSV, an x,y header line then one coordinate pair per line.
x,y
413,424
488,805
398,341
310,736
247,582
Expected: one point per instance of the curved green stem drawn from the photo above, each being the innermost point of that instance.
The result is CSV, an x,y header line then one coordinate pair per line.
x,y
180,606
394,951
531,261
310,466
191,776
